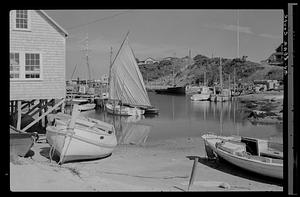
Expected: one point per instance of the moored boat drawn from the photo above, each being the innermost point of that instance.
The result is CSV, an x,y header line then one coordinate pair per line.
x,y
123,110
126,84
248,153
177,90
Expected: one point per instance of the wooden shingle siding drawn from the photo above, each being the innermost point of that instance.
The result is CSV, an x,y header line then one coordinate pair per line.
x,y
44,38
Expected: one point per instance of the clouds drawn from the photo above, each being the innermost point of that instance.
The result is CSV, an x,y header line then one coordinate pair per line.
x,y
270,36
102,45
241,29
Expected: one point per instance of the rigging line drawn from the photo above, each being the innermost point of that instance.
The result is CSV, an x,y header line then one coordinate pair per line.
x,y
101,19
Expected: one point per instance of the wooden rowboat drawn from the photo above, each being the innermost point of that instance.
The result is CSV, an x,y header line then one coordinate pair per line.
x,y
248,153
20,142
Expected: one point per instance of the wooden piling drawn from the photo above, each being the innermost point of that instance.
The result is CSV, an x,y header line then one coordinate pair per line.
x,y
194,169
19,115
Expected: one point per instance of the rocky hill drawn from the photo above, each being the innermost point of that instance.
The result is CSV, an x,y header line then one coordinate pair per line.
x,y
182,71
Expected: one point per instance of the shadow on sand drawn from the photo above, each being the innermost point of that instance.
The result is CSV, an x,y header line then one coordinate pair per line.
x,y
45,153
224,166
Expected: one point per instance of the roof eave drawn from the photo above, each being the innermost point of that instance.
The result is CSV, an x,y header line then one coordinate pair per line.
x,y
62,30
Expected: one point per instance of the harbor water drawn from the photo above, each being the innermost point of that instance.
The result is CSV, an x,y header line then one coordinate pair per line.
x,y
179,117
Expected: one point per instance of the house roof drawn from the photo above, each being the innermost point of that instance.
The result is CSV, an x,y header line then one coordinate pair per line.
x,y
57,26
150,58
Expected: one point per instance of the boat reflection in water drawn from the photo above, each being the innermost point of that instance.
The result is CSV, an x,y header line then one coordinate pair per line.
x,y
181,117
129,130
136,134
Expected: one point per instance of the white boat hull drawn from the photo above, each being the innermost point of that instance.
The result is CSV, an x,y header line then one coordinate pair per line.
x,y
88,106
200,97
85,142
123,111
263,168
269,168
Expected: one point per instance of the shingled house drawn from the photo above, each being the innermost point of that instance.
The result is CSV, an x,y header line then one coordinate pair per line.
x,y
37,47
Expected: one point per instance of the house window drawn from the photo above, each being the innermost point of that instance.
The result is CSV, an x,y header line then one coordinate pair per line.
x,y
14,67
32,65
22,19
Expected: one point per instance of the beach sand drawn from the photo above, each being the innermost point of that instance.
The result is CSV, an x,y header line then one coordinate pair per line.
x,y
164,165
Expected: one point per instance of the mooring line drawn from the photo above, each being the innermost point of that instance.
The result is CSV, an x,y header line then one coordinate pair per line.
x,y
150,177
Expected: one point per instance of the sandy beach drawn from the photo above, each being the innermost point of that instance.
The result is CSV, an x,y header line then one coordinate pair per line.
x,y
160,166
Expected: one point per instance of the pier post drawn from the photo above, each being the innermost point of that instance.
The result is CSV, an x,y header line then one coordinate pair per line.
x,y
192,178
19,115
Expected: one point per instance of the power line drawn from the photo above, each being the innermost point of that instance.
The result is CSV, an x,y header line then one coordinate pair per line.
x,y
101,19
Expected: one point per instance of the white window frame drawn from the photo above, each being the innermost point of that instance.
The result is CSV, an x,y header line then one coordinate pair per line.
x,y
14,72
22,66
14,21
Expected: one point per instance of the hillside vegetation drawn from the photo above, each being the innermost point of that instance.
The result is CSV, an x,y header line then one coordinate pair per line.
x,y
193,73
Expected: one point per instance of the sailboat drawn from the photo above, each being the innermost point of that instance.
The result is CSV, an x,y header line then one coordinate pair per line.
x,y
127,90
75,138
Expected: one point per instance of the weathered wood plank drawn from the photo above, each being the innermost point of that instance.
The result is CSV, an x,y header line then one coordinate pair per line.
x,y
39,118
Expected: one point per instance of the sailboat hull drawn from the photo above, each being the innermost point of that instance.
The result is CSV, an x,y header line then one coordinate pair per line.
x,y
123,110
84,144
90,139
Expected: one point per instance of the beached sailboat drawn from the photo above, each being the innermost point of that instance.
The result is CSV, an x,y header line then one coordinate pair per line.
x,y
20,142
78,138
248,153
126,85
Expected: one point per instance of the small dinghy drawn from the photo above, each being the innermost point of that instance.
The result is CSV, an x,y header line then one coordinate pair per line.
x,y
248,153
78,138
20,142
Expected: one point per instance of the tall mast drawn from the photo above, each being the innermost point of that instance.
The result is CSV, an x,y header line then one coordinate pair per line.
x,y
174,69
111,63
238,35
87,57
109,72
238,49
221,76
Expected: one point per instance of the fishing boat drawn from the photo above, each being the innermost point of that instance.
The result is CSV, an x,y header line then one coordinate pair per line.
x,y
203,96
248,153
127,91
20,142
84,103
177,90
77,138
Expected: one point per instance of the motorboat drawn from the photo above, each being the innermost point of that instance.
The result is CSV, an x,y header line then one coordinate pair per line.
x,y
251,154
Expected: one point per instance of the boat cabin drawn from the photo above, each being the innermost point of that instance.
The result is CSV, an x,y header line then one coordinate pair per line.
x,y
260,147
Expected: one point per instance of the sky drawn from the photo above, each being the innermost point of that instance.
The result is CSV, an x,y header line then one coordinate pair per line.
x,y
163,33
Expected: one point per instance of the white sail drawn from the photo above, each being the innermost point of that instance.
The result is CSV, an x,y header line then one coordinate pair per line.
x,y
126,83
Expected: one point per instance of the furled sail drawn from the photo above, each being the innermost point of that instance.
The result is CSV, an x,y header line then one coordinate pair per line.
x,y
126,81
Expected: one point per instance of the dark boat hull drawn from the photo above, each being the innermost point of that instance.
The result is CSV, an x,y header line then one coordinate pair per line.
x,y
172,90
151,111
20,143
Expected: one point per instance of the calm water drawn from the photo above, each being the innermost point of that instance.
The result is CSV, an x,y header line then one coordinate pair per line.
x,y
181,117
